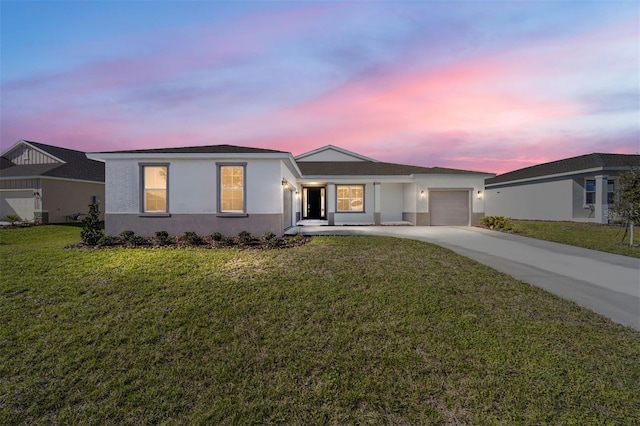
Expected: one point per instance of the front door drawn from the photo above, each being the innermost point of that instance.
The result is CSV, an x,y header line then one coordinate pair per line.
x,y
313,202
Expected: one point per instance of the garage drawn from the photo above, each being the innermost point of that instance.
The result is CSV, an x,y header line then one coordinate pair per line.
x,y
449,208
18,202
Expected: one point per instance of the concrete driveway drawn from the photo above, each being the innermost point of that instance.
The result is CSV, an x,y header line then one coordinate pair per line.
x,y
605,283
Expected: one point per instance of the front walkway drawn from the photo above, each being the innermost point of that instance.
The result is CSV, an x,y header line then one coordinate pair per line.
x,y
605,283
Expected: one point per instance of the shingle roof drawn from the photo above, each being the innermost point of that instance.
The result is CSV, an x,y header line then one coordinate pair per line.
x,y
208,149
76,166
367,168
568,165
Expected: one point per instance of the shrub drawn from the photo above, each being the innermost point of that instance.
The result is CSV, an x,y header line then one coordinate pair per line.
x,y
497,223
107,240
137,240
245,237
130,237
162,237
192,238
12,219
127,235
271,240
91,227
216,236
227,241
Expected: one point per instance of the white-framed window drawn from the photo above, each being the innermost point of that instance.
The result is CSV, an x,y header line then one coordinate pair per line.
x,y
589,191
350,198
155,194
611,191
232,178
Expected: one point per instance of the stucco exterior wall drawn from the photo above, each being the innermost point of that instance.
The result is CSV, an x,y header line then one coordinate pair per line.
x,y
473,183
62,198
193,197
536,201
193,186
391,202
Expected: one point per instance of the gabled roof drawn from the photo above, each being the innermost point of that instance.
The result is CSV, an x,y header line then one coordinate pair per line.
x,y
344,153
569,165
208,149
368,168
75,165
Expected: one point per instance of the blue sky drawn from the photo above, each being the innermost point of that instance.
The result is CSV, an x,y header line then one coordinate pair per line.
x,y
481,85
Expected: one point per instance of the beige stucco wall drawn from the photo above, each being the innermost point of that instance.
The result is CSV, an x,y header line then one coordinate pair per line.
x,y
62,198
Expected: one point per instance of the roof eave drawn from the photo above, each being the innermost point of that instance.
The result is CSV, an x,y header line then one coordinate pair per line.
x,y
555,175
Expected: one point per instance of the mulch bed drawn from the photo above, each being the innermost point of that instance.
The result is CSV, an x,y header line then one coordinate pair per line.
x,y
207,242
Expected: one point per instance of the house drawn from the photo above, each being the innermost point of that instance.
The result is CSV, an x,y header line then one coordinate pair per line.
x,y
579,189
48,184
229,189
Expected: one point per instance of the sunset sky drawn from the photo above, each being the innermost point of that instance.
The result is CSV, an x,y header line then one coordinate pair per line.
x,y
481,85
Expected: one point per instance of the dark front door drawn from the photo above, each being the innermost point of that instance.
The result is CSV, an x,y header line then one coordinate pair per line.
x,y
313,200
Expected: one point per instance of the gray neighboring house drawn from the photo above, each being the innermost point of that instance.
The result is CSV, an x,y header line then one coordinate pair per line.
x,y
578,189
48,184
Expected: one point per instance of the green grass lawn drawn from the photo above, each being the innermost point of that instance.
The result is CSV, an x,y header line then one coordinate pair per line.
x,y
343,330
607,238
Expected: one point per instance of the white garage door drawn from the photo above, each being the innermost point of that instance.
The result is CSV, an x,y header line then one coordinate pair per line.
x,y
20,203
449,208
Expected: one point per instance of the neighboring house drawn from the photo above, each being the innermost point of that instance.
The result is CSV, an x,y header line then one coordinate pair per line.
x,y
579,189
229,189
48,184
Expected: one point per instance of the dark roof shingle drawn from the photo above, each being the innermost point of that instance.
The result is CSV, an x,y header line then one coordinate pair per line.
x,y
207,149
76,165
568,165
368,168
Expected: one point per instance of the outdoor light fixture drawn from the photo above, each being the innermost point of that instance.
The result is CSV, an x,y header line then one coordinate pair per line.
x,y
285,183
422,193
479,194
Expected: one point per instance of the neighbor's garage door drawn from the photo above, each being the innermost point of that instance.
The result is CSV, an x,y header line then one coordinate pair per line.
x,y
449,208
17,202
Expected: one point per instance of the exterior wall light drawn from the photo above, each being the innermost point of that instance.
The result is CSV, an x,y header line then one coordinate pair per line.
x,y
422,194
479,195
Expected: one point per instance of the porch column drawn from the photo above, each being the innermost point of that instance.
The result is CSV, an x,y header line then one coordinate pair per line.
x,y
331,203
376,203
601,205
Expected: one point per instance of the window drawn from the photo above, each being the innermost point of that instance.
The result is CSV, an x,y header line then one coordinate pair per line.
x,y
590,191
350,198
232,188
154,183
611,191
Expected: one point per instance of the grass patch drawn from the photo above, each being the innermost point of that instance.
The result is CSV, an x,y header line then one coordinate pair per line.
x,y
340,330
607,238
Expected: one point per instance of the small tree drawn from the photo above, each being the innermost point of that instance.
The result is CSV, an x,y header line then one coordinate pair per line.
x,y
627,208
91,227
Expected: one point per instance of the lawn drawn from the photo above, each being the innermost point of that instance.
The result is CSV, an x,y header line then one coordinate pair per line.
x,y
607,238
342,330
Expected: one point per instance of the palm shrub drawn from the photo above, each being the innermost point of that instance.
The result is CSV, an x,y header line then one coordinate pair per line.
x,y
91,227
12,219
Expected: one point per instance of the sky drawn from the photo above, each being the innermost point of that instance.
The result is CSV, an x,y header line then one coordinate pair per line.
x,y
490,86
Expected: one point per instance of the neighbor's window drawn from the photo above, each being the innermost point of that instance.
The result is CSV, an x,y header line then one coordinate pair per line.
x,y
350,198
590,191
232,189
611,191
155,189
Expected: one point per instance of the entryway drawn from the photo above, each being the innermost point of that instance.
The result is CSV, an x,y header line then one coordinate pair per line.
x,y
314,202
